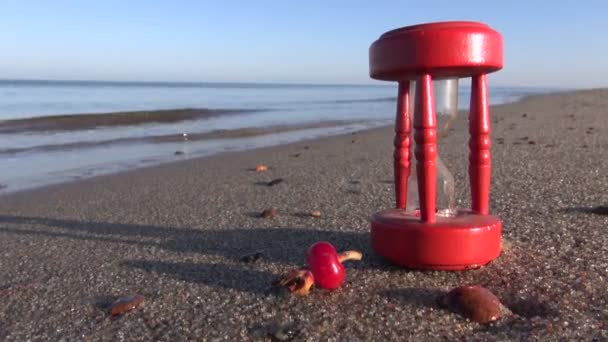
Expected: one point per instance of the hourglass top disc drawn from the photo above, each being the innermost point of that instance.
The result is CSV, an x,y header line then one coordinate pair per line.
x,y
442,49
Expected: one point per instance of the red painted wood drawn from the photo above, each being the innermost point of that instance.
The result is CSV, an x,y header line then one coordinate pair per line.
x,y
444,49
466,241
402,155
422,53
480,160
425,124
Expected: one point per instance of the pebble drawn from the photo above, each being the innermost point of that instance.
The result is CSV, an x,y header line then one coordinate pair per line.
x,y
179,153
506,245
600,210
474,302
269,213
315,213
251,258
284,333
276,332
275,181
13,288
261,168
125,304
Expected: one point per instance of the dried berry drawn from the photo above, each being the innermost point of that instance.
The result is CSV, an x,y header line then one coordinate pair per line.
x,y
261,168
269,213
298,282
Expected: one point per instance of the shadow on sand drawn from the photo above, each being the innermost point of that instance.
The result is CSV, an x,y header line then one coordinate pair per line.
x,y
601,210
420,297
283,245
216,275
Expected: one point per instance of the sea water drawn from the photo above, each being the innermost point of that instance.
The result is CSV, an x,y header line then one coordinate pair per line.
x,y
357,106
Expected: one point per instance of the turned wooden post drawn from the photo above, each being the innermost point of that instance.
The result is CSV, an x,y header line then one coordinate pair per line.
x,y
402,155
480,160
426,148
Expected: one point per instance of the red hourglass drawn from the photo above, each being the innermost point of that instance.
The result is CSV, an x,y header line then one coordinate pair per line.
x,y
445,52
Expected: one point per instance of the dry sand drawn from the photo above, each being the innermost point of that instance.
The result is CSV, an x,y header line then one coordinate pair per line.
x,y
175,234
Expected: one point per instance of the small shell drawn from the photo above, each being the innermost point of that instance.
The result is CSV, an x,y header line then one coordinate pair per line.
x,y
126,304
474,302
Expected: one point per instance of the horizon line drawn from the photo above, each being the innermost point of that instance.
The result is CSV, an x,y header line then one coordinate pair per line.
x,y
190,82
157,82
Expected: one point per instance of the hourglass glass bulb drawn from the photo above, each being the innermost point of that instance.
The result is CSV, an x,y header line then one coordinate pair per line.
x,y
446,109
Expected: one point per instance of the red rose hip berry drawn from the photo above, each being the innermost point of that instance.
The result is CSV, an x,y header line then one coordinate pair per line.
x,y
326,264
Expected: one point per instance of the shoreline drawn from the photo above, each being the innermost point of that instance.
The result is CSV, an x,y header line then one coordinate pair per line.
x,y
177,145
57,148
175,233
219,154
173,138
177,149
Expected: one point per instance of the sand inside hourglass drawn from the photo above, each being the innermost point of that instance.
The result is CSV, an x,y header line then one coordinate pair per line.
x,y
446,108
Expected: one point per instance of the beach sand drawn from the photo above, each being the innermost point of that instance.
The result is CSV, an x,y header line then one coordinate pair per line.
x,y
175,234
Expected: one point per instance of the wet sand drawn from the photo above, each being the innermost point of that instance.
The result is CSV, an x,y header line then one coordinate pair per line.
x,y
58,123
176,233
169,138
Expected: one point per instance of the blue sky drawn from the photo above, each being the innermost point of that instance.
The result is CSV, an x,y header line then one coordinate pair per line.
x,y
547,43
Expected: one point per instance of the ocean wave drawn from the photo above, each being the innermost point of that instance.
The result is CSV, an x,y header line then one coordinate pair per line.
x,y
377,99
89,121
171,138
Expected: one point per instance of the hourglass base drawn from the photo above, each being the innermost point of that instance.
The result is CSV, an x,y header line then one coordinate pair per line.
x,y
465,241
